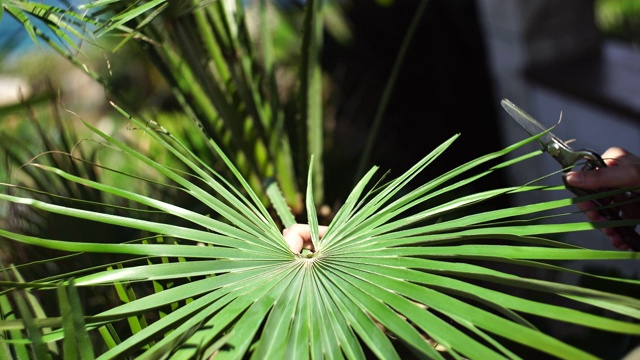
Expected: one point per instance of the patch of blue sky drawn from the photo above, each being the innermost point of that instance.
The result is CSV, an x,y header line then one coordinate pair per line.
x,y
15,40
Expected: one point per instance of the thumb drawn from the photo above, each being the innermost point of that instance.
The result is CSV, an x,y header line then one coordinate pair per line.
x,y
609,177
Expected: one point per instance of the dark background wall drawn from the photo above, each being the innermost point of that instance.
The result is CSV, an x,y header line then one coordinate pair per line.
x,y
443,88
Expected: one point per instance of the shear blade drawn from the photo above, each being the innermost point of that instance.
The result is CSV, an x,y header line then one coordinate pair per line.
x,y
530,125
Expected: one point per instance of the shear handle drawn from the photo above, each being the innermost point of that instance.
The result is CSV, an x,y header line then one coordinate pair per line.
x,y
568,157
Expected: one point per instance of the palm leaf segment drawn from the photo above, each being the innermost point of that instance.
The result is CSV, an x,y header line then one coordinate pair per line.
x,y
380,280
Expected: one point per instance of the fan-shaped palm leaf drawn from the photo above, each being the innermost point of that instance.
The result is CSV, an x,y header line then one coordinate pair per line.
x,y
382,281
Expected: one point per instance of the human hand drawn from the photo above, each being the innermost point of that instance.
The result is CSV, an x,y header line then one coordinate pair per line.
x,y
622,171
298,236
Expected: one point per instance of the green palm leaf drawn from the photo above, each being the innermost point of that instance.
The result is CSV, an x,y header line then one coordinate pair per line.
x,y
383,280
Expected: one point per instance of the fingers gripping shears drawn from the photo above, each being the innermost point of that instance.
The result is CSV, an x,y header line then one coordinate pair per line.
x,y
568,158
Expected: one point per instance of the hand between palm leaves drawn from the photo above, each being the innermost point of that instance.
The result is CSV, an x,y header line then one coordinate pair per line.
x,y
298,236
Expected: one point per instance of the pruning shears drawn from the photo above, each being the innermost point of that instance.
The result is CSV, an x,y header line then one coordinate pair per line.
x,y
568,159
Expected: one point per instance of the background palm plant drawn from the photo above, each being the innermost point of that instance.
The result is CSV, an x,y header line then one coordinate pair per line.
x,y
390,278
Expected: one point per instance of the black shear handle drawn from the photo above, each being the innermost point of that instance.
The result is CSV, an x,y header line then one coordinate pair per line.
x,y
628,233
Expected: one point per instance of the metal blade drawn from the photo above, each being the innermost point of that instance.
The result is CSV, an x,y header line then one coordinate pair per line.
x,y
531,125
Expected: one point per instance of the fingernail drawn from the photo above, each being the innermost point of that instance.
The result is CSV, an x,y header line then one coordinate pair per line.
x,y
573,178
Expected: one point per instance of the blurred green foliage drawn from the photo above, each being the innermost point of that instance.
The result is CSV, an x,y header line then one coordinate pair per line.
x,y
619,19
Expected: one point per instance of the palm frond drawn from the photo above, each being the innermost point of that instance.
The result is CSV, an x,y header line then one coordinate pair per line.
x,y
379,282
